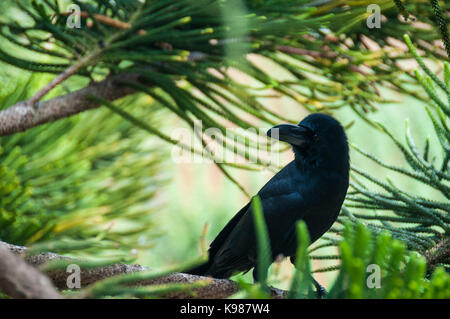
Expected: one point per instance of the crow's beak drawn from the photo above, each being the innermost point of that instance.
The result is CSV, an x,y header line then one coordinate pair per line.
x,y
289,133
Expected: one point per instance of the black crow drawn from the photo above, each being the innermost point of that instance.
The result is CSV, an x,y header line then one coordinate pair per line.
x,y
311,188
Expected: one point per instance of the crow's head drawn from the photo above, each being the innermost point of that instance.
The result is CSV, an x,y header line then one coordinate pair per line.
x,y
318,140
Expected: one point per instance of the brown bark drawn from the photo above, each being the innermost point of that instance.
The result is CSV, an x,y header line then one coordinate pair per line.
x,y
18,279
25,115
437,254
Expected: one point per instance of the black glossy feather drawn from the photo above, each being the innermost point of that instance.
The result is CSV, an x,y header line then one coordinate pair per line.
x,y
311,188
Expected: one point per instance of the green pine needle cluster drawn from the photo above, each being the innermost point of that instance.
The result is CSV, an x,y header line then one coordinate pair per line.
x,y
74,180
402,273
183,50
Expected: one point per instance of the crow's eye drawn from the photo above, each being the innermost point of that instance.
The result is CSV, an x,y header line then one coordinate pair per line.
x,y
316,137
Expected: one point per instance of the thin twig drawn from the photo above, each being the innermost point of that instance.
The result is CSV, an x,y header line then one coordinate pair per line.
x,y
62,77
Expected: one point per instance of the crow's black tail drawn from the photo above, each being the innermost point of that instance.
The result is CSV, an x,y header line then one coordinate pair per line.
x,y
201,270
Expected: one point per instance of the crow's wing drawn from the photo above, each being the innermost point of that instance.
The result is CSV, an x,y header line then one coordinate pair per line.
x,y
222,236
234,249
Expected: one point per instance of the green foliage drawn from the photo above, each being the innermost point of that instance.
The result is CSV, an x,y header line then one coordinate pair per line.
x,y
173,45
402,273
441,21
263,244
74,178
301,281
373,266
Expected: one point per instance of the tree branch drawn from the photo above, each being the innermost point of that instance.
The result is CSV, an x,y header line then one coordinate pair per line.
x,y
217,288
61,78
18,279
27,114
437,254
24,115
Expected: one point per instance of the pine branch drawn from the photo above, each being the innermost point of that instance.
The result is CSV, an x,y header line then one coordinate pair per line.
x,y
442,24
24,115
183,40
73,69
